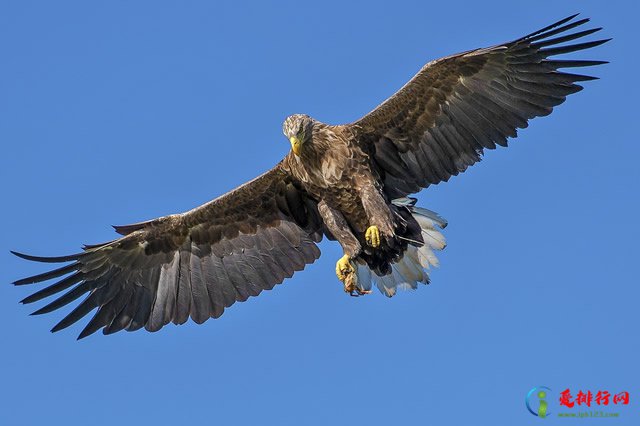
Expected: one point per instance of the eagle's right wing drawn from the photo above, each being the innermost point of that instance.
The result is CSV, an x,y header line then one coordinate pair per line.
x,y
194,264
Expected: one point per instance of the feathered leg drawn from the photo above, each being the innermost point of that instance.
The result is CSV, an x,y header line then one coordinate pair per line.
x,y
378,214
345,267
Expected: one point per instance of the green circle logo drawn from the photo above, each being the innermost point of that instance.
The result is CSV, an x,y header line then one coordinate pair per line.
x,y
540,392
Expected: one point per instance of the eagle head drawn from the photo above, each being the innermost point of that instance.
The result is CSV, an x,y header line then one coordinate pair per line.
x,y
298,128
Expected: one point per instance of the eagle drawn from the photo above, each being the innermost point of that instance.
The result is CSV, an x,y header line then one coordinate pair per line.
x,y
351,183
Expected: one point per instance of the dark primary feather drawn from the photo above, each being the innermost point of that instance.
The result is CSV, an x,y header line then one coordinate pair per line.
x,y
185,266
442,120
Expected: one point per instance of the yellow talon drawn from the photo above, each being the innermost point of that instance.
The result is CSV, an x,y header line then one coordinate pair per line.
x,y
373,236
344,268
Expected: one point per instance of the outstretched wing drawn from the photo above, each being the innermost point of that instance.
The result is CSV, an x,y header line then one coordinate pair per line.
x,y
441,121
194,264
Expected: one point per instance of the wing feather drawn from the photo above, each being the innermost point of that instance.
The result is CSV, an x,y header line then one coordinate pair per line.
x,y
191,265
458,106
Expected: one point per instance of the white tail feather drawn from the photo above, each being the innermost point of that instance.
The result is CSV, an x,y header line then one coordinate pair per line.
x,y
422,212
434,239
363,277
425,222
427,258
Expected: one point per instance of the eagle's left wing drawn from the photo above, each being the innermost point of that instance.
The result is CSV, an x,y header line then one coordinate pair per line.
x,y
444,118
194,264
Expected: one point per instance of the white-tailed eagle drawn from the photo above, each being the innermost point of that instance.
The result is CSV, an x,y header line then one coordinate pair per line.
x,y
349,183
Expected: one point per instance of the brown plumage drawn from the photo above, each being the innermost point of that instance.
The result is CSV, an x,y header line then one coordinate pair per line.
x,y
347,182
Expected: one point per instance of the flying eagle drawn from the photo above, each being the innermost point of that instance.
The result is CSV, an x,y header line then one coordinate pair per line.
x,y
348,183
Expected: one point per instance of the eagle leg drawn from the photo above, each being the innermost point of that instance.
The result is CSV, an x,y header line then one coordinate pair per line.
x,y
337,225
339,228
378,214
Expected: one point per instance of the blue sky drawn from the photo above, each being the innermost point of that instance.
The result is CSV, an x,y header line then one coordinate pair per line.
x,y
116,112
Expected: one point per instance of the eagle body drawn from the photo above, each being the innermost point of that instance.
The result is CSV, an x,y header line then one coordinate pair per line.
x,y
339,174
351,183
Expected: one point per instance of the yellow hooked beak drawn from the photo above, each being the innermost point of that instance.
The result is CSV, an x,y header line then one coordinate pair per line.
x,y
296,145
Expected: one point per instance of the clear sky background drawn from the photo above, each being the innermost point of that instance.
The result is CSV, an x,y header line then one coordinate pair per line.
x,y
116,112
